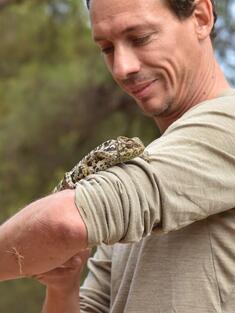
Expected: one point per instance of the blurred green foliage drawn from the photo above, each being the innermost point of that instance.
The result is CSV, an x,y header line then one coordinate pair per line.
x,y
57,102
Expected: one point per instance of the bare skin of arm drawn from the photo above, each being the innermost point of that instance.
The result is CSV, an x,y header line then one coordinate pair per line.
x,y
41,237
63,284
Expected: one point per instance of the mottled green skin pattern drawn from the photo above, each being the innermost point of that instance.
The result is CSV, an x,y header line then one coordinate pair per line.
x,y
106,155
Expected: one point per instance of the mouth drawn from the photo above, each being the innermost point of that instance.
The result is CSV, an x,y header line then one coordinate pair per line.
x,y
141,90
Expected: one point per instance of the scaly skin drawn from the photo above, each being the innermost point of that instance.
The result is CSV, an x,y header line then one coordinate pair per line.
x,y
104,156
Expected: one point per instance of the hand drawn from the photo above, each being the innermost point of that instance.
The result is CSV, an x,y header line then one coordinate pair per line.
x,y
63,282
65,278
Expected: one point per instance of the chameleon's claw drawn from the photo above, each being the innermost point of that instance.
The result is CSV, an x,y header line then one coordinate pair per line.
x,y
145,156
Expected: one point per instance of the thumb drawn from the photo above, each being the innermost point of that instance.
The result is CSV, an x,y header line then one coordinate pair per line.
x,y
78,260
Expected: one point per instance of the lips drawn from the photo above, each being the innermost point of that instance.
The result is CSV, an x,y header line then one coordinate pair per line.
x,y
140,89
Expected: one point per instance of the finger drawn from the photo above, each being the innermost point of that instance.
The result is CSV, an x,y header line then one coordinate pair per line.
x,y
78,259
75,263
56,272
84,254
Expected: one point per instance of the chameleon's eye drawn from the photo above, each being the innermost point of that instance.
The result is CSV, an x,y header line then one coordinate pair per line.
x,y
129,144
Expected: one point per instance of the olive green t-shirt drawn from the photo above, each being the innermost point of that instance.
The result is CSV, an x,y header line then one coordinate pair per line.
x,y
166,228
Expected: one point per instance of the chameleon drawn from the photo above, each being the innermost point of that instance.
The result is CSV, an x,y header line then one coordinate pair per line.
x,y
106,155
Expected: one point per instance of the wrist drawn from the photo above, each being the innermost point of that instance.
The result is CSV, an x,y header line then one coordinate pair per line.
x,y
62,293
58,301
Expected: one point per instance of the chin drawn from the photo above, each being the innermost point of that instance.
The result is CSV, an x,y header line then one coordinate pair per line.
x,y
154,107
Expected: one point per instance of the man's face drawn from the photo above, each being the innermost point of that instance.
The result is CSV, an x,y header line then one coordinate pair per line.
x,y
150,53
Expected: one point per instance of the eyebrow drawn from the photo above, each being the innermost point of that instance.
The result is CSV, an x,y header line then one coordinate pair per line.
x,y
124,31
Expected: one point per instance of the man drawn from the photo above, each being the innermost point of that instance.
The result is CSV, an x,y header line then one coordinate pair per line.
x,y
172,219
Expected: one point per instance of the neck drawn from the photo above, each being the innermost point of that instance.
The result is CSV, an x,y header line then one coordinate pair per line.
x,y
208,83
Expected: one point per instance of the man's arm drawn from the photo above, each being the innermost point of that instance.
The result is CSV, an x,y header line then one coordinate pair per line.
x,y
42,236
56,302
63,293
188,178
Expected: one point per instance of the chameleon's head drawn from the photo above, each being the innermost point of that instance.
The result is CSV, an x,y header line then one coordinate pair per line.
x,y
129,148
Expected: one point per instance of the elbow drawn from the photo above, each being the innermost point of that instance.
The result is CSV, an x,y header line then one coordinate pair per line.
x,y
67,221
61,223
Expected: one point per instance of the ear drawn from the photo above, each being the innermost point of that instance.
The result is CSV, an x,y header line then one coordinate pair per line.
x,y
204,18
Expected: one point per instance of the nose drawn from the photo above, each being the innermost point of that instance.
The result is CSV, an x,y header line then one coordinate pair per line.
x,y
125,63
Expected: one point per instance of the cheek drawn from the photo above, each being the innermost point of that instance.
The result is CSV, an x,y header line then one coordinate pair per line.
x,y
174,67
172,52
164,65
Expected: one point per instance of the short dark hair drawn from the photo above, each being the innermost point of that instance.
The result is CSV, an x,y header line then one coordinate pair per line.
x,y
183,9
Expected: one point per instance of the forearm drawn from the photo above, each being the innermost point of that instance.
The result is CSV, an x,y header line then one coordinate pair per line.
x,y
41,236
56,302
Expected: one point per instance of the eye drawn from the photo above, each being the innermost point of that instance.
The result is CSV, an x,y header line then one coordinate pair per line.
x,y
107,50
129,144
141,40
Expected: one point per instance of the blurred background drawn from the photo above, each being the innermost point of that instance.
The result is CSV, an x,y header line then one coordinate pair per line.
x,y
57,102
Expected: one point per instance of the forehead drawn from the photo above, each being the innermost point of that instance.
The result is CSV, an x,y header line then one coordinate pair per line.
x,y
111,15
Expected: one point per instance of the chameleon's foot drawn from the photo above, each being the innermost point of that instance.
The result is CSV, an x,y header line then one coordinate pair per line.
x,y
145,156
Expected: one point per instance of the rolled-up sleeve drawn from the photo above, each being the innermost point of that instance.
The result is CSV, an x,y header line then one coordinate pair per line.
x,y
190,175
119,205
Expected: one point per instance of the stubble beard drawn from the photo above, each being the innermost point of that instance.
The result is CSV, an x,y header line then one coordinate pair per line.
x,y
162,111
